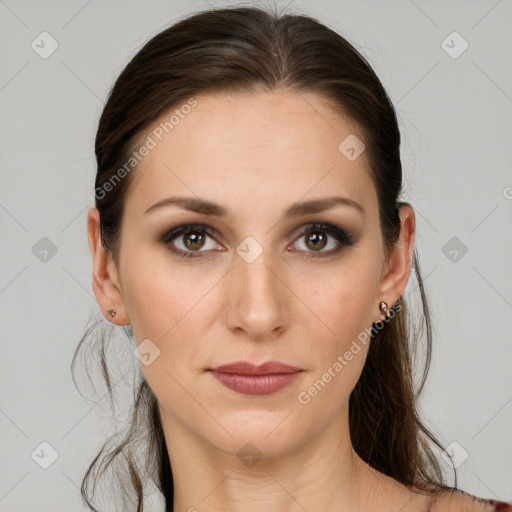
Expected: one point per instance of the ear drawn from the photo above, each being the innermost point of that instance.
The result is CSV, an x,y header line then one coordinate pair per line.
x,y
397,267
105,281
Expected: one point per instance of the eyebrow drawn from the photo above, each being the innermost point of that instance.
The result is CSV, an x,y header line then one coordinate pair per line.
x,y
205,207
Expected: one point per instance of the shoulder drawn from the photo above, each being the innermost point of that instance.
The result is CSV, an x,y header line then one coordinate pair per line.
x,y
461,501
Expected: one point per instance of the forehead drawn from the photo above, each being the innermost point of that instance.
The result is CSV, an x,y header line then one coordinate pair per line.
x,y
267,147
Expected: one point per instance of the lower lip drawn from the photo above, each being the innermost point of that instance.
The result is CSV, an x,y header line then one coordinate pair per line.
x,y
255,384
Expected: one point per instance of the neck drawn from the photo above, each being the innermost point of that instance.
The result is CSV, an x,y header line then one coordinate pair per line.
x,y
322,473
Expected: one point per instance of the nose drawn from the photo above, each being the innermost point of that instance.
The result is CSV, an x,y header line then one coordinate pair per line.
x,y
258,302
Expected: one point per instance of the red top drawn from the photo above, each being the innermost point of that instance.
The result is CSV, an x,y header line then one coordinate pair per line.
x,y
500,506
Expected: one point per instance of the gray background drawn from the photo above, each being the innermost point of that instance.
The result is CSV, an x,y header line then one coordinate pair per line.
x,y
454,115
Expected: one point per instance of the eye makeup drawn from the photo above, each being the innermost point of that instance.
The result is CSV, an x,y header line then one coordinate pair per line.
x,y
343,238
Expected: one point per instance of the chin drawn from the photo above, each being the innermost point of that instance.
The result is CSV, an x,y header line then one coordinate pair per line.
x,y
259,433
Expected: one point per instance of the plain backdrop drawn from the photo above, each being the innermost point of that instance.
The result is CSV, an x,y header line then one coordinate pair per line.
x,y
446,66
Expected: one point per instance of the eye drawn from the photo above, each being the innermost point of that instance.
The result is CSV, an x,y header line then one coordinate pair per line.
x,y
320,235
194,238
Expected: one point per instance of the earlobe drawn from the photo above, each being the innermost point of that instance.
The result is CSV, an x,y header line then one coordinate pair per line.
x,y
105,282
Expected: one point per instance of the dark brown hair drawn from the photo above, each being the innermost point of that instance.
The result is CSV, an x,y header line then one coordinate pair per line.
x,y
251,49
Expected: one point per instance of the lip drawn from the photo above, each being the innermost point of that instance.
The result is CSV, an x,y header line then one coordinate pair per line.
x,y
247,368
249,379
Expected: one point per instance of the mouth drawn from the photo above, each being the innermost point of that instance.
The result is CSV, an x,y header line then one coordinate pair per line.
x,y
249,379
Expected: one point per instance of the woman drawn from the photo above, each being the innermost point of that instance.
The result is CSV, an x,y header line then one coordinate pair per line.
x,y
248,235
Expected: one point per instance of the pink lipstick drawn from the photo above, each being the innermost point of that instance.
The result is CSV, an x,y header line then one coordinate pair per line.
x,y
250,379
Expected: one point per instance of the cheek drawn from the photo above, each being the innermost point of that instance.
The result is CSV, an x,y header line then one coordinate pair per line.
x,y
346,308
164,309
162,296
173,310
345,300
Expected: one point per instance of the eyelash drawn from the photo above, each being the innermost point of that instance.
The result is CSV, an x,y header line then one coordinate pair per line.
x,y
343,237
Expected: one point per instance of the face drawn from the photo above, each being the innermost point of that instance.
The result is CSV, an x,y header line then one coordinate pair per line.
x,y
257,284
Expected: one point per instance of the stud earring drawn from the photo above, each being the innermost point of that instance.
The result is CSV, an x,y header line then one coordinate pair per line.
x,y
112,312
384,307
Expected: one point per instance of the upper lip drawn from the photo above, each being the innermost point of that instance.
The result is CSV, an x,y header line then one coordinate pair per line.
x,y
247,368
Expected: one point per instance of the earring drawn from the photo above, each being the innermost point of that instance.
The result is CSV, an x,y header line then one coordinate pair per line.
x,y
112,312
384,307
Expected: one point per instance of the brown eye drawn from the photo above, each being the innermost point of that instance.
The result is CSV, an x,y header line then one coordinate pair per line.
x,y
318,236
193,241
316,241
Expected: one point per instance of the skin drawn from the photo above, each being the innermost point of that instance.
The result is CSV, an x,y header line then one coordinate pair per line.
x,y
256,154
